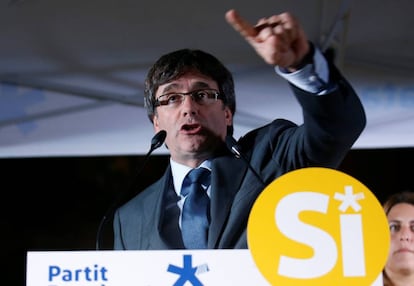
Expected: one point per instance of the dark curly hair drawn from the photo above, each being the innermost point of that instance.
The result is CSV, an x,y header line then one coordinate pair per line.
x,y
172,65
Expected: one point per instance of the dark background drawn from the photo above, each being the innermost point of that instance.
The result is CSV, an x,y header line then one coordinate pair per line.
x,y
58,203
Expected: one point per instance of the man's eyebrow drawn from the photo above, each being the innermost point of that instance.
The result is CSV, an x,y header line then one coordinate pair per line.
x,y
195,85
170,87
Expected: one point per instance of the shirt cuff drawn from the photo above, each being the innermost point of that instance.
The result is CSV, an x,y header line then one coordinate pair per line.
x,y
313,77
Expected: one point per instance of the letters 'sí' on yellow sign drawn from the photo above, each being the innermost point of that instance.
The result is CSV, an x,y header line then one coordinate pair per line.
x,y
318,226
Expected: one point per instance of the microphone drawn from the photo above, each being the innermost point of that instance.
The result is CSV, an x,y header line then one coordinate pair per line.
x,y
234,147
156,142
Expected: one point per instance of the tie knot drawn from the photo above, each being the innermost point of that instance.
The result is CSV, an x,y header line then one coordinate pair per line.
x,y
199,176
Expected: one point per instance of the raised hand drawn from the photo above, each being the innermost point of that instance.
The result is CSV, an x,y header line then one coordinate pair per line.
x,y
278,39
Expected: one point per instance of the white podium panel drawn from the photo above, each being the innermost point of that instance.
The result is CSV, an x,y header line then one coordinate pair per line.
x,y
144,268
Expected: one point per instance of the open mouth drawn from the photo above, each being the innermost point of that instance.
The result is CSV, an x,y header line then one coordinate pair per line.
x,y
191,128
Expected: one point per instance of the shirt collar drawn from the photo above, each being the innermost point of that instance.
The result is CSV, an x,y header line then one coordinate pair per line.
x,y
179,171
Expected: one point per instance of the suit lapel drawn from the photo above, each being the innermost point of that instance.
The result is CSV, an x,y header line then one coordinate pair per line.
x,y
227,176
162,222
168,227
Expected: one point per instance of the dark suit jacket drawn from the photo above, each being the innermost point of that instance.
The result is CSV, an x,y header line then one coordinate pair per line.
x,y
332,123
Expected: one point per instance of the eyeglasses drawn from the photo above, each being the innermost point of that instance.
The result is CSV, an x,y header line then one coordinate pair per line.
x,y
201,97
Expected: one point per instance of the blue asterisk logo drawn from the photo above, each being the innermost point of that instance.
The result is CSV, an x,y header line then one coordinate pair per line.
x,y
187,272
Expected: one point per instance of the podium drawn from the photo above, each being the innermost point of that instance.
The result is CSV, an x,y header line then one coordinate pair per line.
x,y
146,268
133,268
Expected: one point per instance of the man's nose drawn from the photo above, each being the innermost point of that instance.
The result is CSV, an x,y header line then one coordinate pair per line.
x,y
189,105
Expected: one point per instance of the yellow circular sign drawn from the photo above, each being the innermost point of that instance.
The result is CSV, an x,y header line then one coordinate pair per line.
x,y
318,226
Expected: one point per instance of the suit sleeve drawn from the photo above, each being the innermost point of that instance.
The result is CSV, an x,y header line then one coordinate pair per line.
x,y
332,122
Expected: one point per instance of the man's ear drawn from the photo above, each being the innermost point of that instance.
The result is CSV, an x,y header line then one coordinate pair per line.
x,y
229,116
155,123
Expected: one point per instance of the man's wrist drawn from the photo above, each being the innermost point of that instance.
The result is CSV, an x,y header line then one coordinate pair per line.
x,y
312,77
306,60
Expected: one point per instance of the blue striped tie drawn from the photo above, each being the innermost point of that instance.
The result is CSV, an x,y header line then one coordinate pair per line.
x,y
196,209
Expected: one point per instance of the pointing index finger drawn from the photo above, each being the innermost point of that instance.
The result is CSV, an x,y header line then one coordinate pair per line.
x,y
240,25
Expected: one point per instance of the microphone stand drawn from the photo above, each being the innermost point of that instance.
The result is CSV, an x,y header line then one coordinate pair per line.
x,y
156,142
233,146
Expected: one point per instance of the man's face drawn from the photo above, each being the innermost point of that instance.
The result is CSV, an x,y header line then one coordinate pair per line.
x,y
193,130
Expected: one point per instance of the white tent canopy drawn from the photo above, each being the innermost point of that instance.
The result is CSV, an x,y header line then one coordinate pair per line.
x,y
71,72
